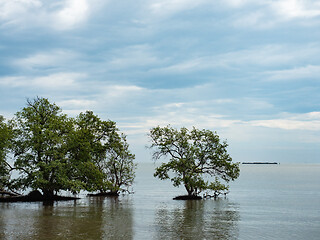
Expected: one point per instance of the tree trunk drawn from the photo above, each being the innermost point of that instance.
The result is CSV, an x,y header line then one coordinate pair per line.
x,y
48,194
114,193
189,190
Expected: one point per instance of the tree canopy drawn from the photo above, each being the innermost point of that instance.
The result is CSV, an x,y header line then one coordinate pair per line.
x,y
40,148
194,157
5,135
119,168
52,152
103,154
88,146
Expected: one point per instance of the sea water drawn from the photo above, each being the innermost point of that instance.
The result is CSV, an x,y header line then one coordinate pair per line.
x,y
265,202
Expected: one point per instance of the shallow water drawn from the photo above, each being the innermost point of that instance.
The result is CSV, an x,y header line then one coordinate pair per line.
x,y
266,202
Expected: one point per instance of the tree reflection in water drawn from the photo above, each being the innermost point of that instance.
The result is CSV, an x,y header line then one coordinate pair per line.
x,y
2,221
94,218
118,220
204,219
70,220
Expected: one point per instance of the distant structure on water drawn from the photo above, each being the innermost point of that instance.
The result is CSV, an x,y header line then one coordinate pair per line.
x,y
260,163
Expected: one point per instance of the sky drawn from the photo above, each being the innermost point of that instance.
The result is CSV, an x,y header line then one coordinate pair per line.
x,y
247,69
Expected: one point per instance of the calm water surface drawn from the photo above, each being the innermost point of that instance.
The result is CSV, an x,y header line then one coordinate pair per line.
x,y
266,202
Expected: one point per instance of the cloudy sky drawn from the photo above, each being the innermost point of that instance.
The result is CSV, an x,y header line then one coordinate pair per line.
x,y
248,69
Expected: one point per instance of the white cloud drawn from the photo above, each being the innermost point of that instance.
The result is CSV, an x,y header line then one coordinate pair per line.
x,y
264,136
264,55
58,80
12,81
53,81
303,73
267,14
12,9
246,13
61,15
213,114
259,18
20,13
117,96
308,121
181,114
179,119
311,116
291,9
169,7
237,3
73,107
122,90
74,12
288,124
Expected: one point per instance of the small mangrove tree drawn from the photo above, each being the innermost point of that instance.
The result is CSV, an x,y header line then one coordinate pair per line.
x,y
198,160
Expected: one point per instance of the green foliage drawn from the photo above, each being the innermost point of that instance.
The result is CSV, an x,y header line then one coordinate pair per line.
x,y
100,155
5,135
119,167
88,149
194,156
218,188
52,152
40,147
